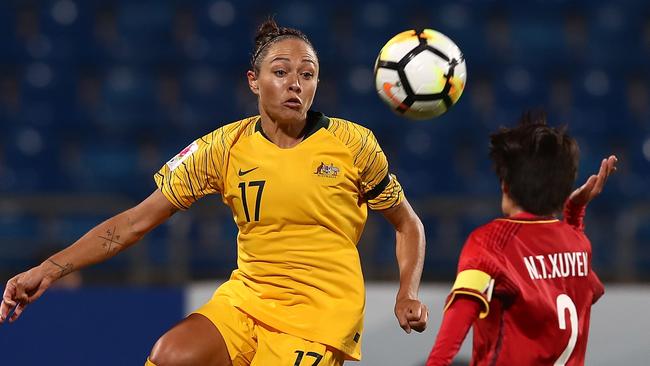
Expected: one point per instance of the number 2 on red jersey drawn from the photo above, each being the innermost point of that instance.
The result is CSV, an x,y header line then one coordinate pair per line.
x,y
563,303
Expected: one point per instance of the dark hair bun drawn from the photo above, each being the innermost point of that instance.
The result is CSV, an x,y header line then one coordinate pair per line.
x,y
268,30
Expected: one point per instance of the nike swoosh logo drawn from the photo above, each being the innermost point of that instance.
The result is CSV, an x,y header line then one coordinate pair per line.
x,y
244,172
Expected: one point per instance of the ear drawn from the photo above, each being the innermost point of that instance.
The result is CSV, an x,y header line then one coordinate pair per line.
x,y
252,82
504,188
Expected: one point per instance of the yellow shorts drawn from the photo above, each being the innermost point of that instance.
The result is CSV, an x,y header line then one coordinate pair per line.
x,y
253,343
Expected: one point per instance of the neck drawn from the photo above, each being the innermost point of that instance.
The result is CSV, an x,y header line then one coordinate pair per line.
x,y
508,206
284,134
514,211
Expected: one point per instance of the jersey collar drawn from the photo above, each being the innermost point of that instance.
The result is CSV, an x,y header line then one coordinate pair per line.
x,y
315,121
529,217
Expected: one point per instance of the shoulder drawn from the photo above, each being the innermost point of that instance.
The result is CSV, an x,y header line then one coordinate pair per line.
x,y
232,131
493,235
348,131
359,140
337,123
484,248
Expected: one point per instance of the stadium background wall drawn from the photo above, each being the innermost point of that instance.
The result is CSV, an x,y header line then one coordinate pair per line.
x,y
117,326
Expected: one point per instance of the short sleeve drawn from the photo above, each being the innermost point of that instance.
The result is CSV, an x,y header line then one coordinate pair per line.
x,y
380,188
479,270
193,173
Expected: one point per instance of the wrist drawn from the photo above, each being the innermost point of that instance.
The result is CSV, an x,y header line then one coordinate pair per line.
x,y
47,270
52,270
407,295
577,207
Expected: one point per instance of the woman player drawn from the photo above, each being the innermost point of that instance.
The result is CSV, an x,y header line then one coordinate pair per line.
x,y
298,184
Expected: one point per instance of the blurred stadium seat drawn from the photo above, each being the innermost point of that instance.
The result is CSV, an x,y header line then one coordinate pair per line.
x,y
95,96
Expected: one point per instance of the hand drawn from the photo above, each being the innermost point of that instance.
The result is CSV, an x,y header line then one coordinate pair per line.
x,y
411,314
594,185
22,290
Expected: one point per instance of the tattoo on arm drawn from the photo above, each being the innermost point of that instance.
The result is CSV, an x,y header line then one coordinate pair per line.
x,y
65,269
111,240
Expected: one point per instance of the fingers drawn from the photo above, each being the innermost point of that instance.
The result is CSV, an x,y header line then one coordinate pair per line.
x,y
595,183
403,322
612,160
600,178
420,324
413,313
8,301
4,311
413,316
607,167
20,294
590,184
17,311
17,295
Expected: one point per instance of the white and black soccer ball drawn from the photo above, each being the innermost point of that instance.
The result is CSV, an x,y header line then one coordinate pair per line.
x,y
420,74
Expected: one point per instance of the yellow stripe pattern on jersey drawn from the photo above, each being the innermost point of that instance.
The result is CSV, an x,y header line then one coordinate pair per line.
x,y
300,213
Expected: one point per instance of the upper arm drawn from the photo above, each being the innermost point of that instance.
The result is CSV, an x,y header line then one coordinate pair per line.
x,y
194,172
402,215
378,187
479,270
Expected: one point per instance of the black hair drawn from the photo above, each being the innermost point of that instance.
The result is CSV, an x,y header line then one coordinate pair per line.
x,y
268,33
537,163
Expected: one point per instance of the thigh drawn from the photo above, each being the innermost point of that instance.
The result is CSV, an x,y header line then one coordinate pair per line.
x,y
235,326
193,341
276,348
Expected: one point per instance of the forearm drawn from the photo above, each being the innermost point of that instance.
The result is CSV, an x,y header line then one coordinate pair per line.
x,y
410,249
99,244
456,322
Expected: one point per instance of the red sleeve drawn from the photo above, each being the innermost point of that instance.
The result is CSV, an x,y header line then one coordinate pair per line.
x,y
458,318
483,252
478,252
574,215
596,286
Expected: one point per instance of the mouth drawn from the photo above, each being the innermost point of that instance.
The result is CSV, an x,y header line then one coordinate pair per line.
x,y
293,103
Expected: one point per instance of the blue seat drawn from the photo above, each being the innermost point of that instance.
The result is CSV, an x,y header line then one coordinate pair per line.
x,y
210,253
18,227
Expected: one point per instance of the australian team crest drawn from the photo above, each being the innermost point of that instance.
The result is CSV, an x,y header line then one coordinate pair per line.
x,y
327,170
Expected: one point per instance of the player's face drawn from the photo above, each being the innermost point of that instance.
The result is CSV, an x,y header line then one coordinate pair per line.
x,y
287,80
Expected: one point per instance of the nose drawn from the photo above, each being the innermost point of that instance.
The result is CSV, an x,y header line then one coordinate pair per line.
x,y
294,84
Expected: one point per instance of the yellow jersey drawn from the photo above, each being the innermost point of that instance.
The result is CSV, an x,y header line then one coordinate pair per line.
x,y
300,213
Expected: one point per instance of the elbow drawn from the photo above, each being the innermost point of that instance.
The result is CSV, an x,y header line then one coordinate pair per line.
x,y
413,232
137,226
417,227
138,232
422,242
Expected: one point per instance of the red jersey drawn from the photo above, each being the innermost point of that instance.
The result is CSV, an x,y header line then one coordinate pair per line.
x,y
534,278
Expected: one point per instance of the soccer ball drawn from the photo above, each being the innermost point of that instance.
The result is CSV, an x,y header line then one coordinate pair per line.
x,y
420,75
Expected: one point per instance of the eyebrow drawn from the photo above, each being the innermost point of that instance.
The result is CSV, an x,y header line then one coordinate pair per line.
x,y
280,58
